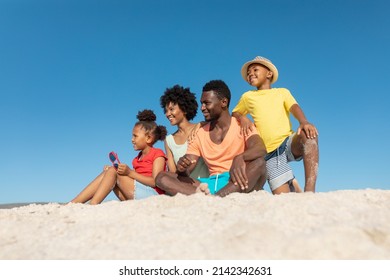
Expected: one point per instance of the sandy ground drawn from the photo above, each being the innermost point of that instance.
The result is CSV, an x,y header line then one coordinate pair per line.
x,y
349,224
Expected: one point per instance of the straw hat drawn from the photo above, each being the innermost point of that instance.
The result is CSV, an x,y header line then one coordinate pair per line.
x,y
263,61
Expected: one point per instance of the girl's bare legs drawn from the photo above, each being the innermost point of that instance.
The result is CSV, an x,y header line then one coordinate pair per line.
x,y
107,183
100,187
124,189
87,193
119,193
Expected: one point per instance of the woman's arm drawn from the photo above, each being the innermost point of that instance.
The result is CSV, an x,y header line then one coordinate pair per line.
x,y
170,160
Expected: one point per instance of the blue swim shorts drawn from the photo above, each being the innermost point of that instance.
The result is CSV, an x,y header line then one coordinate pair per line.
x,y
216,182
142,191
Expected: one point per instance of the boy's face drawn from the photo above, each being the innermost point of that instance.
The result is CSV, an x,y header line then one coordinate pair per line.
x,y
259,76
211,105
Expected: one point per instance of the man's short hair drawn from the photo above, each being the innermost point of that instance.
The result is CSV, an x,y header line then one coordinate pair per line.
x,y
220,88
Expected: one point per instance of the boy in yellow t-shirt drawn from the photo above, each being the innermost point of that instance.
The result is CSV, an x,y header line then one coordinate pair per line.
x,y
270,109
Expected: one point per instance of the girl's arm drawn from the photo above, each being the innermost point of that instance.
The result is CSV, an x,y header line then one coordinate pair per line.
x,y
158,166
170,160
309,129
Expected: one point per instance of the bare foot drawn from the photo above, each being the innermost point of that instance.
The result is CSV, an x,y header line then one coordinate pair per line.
x,y
203,188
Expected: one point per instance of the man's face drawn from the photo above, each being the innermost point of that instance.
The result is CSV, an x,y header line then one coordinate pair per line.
x,y
211,105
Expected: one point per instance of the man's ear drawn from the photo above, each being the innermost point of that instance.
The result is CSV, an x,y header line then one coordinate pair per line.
x,y
224,102
270,74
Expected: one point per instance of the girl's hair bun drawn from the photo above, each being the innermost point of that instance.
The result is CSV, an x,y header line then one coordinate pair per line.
x,y
146,116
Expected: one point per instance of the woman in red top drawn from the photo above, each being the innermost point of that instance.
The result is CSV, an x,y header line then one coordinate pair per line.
x,y
127,183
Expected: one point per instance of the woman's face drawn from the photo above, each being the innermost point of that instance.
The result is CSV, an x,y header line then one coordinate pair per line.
x,y
174,114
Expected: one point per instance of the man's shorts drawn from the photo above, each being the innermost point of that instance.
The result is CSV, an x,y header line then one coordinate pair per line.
x,y
216,182
279,171
141,191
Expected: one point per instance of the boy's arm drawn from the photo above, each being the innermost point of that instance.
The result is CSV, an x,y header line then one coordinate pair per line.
x,y
309,129
246,124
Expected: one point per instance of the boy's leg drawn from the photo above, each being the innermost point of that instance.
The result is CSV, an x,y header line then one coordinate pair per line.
x,y
296,186
172,184
301,146
285,188
290,186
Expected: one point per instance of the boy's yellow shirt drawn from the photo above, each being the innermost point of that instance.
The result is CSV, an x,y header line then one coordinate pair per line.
x,y
270,110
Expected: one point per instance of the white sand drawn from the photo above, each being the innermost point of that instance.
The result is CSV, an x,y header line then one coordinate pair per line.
x,y
336,225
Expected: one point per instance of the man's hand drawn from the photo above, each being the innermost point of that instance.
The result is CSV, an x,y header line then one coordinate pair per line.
x,y
238,172
184,163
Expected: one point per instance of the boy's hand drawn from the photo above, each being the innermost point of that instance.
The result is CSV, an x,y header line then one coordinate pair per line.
x,y
309,130
192,133
246,126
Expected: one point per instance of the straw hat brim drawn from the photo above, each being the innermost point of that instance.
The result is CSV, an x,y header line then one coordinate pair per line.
x,y
269,65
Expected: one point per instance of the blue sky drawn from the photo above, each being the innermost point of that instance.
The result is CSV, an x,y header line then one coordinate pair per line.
x,y
74,74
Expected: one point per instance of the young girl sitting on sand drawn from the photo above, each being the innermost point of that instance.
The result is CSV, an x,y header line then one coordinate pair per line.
x,y
127,183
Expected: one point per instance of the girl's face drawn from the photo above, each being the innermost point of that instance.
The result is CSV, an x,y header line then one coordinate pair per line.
x,y
174,114
140,138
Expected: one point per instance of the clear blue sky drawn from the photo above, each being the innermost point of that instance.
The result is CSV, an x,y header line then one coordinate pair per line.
x,y
73,75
